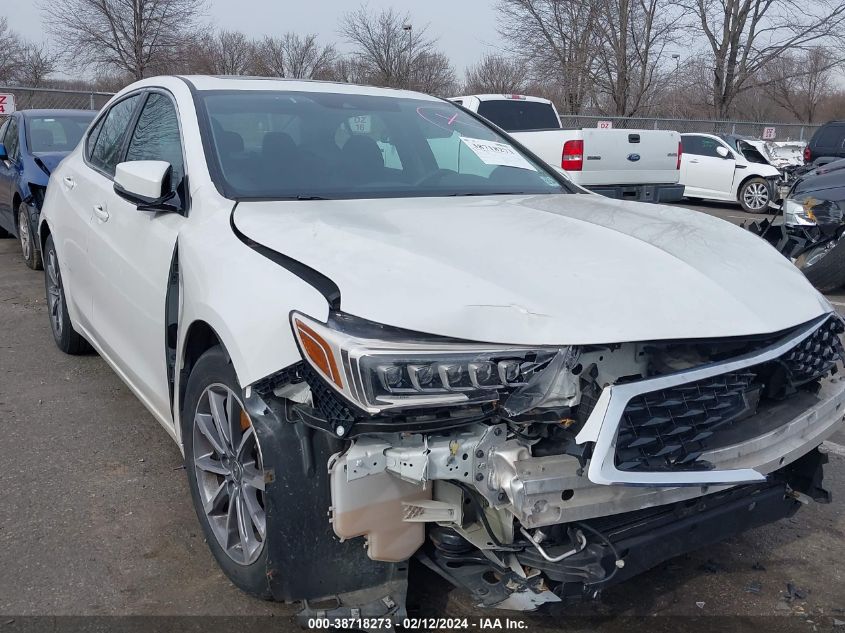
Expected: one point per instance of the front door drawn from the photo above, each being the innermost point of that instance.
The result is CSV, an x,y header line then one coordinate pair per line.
x,y
704,172
131,252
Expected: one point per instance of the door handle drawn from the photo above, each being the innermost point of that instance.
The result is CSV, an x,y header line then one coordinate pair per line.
x,y
68,182
101,213
694,161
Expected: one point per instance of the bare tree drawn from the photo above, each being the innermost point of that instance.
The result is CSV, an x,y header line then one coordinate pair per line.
x,y
496,74
295,56
800,82
348,70
392,51
432,73
219,53
746,36
10,45
556,39
631,39
138,37
36,63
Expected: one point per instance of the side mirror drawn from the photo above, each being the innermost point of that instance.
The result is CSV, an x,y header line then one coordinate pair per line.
x,y
4,155
145,183
723,152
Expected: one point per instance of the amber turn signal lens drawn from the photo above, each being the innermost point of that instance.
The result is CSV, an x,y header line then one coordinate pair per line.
x,y
319,352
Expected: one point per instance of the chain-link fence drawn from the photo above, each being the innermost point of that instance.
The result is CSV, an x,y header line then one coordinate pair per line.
x,y
780,132
29,98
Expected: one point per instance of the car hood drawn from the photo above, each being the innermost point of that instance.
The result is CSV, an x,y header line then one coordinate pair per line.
x,y
830,176
558,269
50,160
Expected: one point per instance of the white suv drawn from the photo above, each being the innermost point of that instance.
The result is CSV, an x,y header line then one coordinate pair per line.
x,y
380,331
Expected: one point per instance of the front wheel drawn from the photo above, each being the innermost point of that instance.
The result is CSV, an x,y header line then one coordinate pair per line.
x,y
29,248
226,472
754,195
67,339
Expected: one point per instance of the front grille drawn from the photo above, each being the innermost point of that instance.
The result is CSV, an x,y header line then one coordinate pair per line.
x,y
671,428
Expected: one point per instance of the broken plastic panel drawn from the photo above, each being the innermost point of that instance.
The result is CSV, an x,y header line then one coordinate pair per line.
x,y
544,387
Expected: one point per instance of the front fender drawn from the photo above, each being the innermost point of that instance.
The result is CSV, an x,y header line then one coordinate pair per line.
x,y
244,297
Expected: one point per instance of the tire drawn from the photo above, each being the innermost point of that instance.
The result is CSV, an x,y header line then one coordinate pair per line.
x,y
754,195
67,339
827,272
224,474
29,246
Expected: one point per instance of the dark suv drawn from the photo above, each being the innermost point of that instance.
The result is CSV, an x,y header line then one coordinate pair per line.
x,y
827,144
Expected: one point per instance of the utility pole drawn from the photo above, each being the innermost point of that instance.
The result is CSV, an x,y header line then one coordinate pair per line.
x,y
408,28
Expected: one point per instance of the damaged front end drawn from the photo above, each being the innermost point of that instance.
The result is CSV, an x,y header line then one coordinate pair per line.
x,y
532,475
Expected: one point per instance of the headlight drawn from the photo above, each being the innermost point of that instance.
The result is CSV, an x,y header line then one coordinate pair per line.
x,y
810,211
379,368
794,213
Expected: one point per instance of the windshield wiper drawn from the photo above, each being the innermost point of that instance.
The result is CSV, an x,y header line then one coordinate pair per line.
x,y
308,197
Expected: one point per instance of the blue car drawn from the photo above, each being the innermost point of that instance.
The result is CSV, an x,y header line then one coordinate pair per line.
x,y
32,143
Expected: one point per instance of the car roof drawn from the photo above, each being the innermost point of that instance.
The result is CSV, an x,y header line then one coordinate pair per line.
x,y
213,82
508,96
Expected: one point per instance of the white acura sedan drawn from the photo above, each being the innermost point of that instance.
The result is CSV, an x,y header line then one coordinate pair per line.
x,y
380,329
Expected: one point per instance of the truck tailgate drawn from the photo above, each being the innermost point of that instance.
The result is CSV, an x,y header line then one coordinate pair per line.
x,y
623,157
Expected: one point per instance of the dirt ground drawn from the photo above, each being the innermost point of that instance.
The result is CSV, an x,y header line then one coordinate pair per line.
x,y
96,520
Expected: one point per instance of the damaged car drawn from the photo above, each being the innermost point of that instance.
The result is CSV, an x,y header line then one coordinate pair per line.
x,y
813,226
380,330
32,143
728,168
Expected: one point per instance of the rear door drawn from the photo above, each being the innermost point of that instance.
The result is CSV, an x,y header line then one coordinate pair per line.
x,y
703,172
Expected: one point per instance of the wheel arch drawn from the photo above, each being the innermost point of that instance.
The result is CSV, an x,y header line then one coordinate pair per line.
x,y
43,233
16,202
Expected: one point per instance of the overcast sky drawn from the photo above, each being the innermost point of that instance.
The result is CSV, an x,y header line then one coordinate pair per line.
x,y
465,28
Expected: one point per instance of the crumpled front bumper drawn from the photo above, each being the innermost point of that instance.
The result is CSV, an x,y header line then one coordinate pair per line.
x,y
536,491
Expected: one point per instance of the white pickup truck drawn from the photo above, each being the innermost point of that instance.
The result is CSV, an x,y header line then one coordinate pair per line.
x,y
629,164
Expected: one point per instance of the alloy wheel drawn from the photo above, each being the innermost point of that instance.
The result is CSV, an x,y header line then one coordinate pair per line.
x,y
756,196
55,303
230,474
23,229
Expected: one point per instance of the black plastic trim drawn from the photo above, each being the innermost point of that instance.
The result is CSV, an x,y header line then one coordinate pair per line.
x,y
318,280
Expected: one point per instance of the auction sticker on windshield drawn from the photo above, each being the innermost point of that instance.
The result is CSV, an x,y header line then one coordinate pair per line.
x,y
493,153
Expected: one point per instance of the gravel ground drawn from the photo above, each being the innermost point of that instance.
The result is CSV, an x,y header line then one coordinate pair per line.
x,y
95,514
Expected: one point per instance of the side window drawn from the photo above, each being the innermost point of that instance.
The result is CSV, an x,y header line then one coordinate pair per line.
x,y
92,138
691,145
156,137
700,146
12,139
3,126
107,147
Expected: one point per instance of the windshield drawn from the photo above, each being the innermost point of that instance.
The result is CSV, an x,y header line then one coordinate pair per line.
x,y
56,133
514,115
309,145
